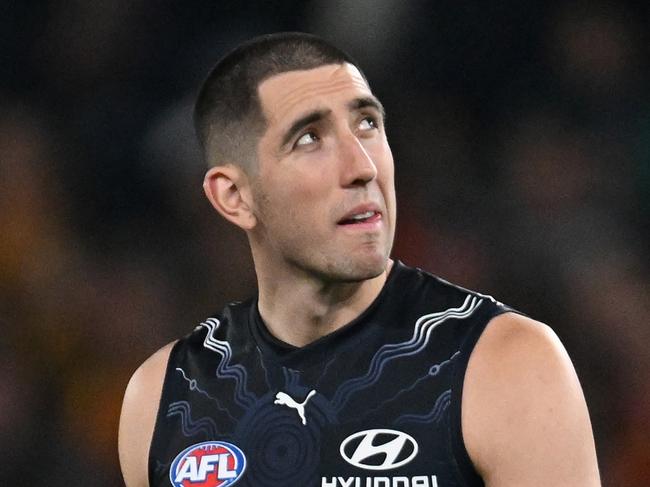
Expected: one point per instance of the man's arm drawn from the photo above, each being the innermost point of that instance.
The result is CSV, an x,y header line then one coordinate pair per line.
x,y
524,417
138,417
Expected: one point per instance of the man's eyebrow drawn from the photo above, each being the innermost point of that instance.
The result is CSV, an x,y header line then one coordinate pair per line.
x,y
302,122
367,101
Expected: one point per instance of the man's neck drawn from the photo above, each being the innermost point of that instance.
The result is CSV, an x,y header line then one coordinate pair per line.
x,y
299,310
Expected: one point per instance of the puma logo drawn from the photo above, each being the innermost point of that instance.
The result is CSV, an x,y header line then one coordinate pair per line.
x,y
285,399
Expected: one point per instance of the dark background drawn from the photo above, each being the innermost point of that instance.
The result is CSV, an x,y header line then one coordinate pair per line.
x,y
521,135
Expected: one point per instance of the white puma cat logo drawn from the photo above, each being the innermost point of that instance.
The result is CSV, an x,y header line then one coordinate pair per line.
x,y
285,399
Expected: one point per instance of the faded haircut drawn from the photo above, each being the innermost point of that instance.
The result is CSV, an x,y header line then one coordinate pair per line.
x,y
228,115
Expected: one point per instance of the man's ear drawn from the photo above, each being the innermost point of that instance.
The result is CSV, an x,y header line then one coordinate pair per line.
x,y
228,190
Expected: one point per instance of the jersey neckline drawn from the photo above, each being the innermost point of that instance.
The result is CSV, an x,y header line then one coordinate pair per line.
x,y
317,351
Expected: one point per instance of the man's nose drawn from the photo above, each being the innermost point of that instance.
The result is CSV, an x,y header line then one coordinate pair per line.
x,y
358,168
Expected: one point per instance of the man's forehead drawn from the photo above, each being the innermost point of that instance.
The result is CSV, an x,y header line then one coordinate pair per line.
x,y
287,92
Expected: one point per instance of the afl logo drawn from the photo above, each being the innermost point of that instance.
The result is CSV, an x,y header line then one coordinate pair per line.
x,y
379,449
208,464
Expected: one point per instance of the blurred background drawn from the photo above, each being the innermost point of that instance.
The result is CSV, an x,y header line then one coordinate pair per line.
x,y
521,134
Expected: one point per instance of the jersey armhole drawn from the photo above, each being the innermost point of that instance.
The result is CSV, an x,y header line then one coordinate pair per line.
x,y
151,468
464,465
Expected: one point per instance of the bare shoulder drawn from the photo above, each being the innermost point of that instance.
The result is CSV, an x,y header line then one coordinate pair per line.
x,y
524,417
138,418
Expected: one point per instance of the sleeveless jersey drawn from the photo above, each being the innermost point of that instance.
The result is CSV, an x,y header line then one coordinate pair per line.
x,y
376,403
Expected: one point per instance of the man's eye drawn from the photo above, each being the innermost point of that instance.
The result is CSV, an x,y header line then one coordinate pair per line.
x,y
368,123
306,139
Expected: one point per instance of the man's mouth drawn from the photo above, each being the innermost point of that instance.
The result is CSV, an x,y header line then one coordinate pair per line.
x,y
365,217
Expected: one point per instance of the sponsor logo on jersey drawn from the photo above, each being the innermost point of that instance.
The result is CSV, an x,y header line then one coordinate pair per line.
x,y
208,464
379,449
417,481
285,399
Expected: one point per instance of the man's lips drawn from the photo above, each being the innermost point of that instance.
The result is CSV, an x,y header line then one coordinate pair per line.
x,y
364,214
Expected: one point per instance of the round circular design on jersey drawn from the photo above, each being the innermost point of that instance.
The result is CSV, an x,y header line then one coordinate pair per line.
x,y
379,449
208,464
281,450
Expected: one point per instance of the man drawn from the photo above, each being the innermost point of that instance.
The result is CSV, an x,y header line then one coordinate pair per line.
x,y
347,369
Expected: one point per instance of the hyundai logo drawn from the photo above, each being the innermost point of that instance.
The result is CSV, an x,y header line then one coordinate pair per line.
x,y
379,449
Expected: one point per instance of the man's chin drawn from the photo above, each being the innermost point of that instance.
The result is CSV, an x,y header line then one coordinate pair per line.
x,y
360,269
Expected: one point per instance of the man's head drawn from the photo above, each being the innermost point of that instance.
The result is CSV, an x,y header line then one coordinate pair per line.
x,y
316,192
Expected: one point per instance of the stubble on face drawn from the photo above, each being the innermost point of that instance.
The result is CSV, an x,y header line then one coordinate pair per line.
x,y
305,251
300,232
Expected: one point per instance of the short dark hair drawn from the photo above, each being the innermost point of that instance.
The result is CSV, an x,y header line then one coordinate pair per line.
x,y
228,115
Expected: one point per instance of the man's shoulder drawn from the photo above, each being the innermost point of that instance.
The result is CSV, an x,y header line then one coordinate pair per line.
x,y
145,388
510,339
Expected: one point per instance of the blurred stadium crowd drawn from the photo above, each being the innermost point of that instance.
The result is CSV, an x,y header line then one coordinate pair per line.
x,y
521,135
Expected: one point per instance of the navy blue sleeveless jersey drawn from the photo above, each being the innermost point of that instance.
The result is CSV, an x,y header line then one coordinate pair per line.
x,y
377,403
